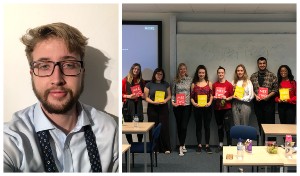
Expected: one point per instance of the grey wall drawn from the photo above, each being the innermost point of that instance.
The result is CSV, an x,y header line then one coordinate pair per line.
x,y
174,24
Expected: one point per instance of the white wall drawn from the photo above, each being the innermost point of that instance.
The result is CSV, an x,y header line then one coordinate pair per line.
x,y
97,22
229,50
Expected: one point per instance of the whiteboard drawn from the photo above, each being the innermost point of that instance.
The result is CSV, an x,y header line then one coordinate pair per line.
x,y
229,50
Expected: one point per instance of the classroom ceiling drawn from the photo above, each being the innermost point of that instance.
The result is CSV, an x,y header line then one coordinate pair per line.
x,y
212,8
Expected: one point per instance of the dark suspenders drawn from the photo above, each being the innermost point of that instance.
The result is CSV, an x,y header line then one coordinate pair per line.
x,y
47,155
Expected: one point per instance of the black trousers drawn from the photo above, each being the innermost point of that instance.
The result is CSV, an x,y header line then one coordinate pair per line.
x,y
202,114
224,121
287,113
160,114
265,113
182,115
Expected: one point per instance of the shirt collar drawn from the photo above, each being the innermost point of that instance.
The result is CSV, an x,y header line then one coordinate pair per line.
x,y
83,119
41,122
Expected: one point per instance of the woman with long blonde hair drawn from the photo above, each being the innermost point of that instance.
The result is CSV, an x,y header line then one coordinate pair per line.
x,y
241,106
182,110
132,102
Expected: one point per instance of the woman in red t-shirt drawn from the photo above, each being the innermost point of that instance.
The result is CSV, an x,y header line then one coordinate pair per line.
x,y
223,92
286,106
132,96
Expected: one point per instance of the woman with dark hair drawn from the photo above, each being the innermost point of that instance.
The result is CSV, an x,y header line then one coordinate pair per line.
x,y
286,107
133,100
181,89
202,89
157,94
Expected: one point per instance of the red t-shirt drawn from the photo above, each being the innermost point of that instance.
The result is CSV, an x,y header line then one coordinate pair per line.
x,y
228,92
292,86
124,91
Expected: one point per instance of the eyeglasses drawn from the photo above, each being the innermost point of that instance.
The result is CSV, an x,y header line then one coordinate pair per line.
x,y
68,68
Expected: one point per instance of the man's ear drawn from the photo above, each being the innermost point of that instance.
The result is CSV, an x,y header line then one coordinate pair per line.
x,y
31,72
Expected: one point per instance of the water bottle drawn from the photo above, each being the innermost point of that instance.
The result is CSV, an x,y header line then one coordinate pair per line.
x,y
288,147
135,121
240,149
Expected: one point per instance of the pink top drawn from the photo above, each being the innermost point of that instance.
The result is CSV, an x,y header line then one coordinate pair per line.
x,y
197,90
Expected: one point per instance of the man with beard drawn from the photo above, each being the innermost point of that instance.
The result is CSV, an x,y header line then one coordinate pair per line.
x,y
59,133
265,86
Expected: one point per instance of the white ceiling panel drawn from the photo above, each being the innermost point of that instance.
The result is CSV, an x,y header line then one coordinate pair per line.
x,y
212,8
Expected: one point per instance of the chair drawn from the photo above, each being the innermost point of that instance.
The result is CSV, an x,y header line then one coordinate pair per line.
x,y
244,132
138,147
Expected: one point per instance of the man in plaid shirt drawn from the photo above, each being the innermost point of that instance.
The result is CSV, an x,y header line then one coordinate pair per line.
x,y
264,107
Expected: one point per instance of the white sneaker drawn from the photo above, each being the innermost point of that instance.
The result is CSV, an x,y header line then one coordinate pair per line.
x,y
184,149
181,151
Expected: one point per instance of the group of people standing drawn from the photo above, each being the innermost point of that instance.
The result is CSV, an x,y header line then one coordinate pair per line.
x,y
157,111
231,102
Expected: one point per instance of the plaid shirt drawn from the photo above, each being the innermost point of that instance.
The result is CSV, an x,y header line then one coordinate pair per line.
x,y
270,82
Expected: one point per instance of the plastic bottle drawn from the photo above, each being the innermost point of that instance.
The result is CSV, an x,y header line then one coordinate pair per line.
x,y
135,121
240,149
288,147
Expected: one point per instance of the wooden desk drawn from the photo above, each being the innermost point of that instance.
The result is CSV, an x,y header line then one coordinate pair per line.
x,y
126,148
278,130
287,162
258,157
144,128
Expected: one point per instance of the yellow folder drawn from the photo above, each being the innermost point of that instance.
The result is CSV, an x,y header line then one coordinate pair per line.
x,y
239,92
159,96
202,100
284,94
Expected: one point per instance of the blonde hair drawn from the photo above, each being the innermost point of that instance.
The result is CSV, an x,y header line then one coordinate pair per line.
x,y
72,37
245,76
130,73
177,78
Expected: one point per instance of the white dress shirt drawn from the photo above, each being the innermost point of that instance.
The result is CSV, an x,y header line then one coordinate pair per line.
x,y
22,150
